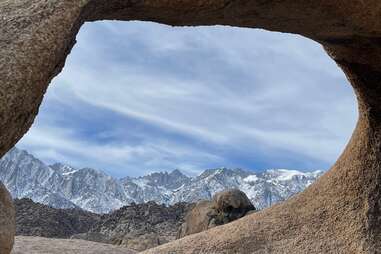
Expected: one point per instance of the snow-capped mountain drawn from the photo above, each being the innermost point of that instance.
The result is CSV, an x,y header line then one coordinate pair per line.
x,y
26,176
62,186
91,189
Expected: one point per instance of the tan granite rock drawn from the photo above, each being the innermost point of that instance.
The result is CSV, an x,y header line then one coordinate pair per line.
x,y
340,213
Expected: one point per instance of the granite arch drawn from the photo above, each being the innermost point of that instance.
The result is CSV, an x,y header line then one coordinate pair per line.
x,y
340,213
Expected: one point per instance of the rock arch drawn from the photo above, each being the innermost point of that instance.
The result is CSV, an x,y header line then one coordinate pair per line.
x,y
340,213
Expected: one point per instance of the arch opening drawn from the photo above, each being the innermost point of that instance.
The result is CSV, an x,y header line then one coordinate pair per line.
x,y
215,96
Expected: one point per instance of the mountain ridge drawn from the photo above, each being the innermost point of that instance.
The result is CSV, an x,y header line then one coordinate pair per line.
x,y
63,186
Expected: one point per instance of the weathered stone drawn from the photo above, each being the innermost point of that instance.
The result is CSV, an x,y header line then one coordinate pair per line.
x,y
7,221
225,207
340,213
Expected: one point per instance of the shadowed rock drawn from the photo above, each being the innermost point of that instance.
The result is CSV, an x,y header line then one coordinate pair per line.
x,y
340,213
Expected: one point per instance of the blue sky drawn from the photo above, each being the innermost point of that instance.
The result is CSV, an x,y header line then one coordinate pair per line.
x,y
137,97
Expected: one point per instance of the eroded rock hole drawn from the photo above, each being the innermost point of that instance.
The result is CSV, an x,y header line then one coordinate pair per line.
x,y
195,98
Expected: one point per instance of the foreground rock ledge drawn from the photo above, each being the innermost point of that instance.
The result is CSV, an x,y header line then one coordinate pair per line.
x,y
340,213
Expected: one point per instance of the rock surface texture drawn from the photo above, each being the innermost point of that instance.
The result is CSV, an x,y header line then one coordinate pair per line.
x,y
340,213
225,207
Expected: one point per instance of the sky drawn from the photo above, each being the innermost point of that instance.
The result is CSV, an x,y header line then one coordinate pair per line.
x,y
138,97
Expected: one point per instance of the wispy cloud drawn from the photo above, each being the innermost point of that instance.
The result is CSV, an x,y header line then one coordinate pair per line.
x,y
58,144
139,96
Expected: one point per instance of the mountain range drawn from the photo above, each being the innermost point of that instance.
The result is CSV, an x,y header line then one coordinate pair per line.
x,y
63,186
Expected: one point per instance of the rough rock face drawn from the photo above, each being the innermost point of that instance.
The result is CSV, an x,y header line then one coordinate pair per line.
x,y
34,219
7,221
340,213
139,226
225,207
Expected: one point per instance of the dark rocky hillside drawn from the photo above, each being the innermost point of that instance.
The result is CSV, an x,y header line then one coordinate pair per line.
x,y
139,226
34,219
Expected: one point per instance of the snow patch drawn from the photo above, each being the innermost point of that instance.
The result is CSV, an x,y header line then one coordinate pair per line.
x,y
250,178
69,173
285,174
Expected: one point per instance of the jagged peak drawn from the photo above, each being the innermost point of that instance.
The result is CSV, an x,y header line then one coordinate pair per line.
x,y
178,173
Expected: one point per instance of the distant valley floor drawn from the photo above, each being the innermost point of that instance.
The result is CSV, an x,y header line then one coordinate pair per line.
x,y
40,245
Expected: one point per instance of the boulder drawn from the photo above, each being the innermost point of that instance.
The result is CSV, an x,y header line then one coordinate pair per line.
x,y
232,205
226,206
7,221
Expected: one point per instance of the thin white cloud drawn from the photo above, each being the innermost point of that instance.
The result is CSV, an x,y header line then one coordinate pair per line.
x,y
53,144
